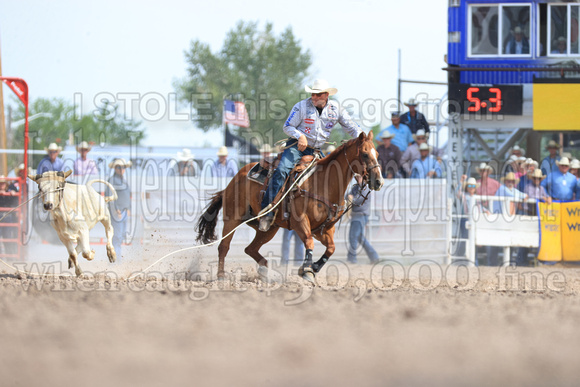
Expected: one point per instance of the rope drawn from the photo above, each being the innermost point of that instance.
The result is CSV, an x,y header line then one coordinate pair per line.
x,y
261,214
173,252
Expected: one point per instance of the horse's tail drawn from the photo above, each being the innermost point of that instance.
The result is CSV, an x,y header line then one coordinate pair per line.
x,y
205,227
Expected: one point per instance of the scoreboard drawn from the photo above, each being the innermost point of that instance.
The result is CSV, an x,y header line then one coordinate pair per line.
x,y
474,99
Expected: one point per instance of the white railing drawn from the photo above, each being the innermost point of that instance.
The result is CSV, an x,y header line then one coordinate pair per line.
x,y
503,229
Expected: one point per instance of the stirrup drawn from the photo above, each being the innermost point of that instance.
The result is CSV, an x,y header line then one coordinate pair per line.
x,y
266,222
265,209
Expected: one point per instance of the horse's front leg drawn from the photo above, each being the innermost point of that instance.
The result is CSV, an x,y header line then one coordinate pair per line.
x,y
303,231
327,240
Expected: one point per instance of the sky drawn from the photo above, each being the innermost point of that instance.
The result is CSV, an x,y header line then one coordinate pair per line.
x,y
126,50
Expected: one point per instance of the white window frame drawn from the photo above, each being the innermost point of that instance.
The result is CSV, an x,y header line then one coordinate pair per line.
x,y
568,30
499,53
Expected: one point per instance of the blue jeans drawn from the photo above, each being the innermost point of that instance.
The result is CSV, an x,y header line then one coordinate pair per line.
x,y
119,230
298,246
289,158
356,235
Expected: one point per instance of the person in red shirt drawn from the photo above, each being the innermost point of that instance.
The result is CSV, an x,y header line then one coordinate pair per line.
x,y
487,185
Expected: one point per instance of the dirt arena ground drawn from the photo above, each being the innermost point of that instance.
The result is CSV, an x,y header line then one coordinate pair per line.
x,y
361,325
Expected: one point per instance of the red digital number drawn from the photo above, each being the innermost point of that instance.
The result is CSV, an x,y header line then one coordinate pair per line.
x,y
473,99
497,100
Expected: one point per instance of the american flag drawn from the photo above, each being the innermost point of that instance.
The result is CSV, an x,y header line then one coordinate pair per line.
x,y
235,113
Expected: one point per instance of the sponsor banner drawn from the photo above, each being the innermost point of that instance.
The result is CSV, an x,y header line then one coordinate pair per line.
x,y
570,231
550,232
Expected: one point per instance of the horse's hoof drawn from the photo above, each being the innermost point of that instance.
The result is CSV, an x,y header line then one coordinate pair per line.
x,y
309,276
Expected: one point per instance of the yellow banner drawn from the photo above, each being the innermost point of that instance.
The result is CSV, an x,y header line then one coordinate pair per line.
x,y
571,231
550,232
556,106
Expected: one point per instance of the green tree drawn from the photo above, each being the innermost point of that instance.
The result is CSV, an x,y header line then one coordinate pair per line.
x,y
58,123
264,71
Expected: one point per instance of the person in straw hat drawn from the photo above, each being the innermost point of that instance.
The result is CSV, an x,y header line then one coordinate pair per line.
x,y
185,163
389,155
508,189
427,167
51,162
548,165
528,166
412,153
413,119
309,125
83,165
223,167
487,185
561,184
120,209
534,190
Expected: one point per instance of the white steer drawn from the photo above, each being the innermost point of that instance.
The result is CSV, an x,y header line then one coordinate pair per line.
x,y
74,210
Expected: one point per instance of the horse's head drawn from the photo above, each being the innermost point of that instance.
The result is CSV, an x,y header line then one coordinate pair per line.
x,y
368,157
51,186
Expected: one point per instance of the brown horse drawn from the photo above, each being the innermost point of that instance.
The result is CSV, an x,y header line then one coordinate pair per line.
x,y
313,210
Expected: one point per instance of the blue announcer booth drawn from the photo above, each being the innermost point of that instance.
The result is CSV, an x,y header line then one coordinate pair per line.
x,y
514,68
515,65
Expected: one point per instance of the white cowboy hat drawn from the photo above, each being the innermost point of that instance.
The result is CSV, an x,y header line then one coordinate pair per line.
x,y
321,86
185,155
470,181
411,102
510,176
530,161
385,134
420,133
53,147
537,173
518,30
563,161
518,148
120,162
575,164
483,167
424,146
266,148
223,151
84,145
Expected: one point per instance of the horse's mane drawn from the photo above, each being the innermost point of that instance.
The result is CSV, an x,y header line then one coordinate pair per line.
x,y
334,154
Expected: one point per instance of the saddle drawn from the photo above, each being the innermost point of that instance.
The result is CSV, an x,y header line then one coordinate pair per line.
x,y
263,171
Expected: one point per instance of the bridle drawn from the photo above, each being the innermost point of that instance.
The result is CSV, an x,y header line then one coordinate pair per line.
x,y
368,168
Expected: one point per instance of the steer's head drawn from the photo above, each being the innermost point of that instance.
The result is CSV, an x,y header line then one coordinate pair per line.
x,y
51,186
